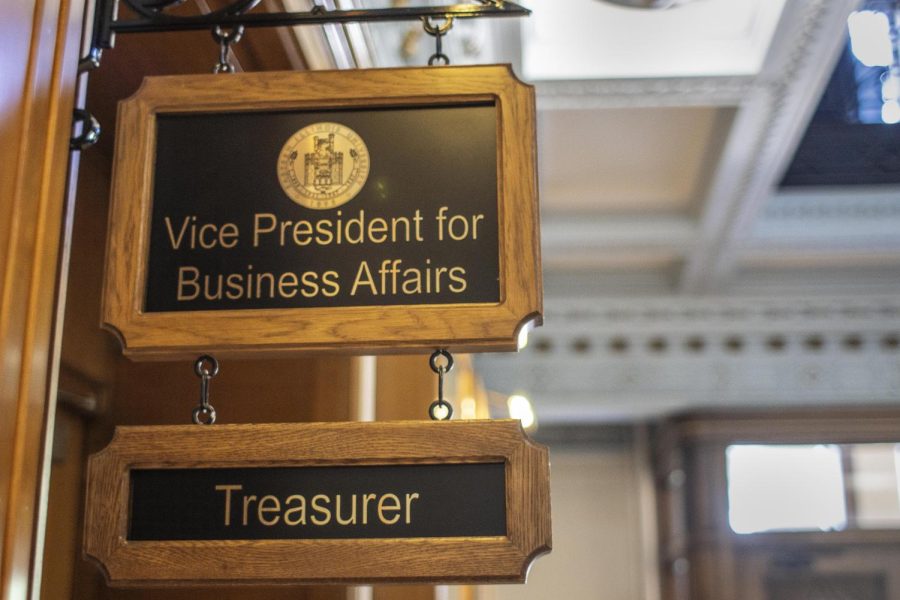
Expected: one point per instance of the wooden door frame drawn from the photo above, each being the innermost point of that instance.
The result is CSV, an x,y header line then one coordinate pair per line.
x,y
42,41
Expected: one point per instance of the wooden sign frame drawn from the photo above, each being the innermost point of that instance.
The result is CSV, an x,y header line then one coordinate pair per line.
x,y
366,329
451,559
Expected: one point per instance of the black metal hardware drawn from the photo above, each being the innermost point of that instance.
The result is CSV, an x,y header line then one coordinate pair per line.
x,y
206,367
440,409
152,17
225,39
438,31
90,130
91,61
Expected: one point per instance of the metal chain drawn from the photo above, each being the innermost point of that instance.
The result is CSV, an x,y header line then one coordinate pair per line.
x,y
206,367
437,32
440,404
225,40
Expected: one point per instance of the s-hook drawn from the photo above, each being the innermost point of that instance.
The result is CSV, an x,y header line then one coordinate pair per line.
x,y
206,367
225,39
440,409
437,32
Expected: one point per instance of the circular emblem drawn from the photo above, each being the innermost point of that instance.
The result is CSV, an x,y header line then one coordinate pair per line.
x,y
323,165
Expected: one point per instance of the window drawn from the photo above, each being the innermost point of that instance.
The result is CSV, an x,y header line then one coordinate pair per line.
x,y
813,487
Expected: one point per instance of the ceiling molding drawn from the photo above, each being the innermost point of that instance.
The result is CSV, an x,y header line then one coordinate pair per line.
x,y
641,358
643,93
875,202
767,130
842,312
828,221
564,236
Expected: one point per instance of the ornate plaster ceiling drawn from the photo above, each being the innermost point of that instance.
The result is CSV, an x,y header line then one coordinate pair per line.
x,y
663,137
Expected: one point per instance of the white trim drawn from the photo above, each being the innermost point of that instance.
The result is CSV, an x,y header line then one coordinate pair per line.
x,y
646,93
768,127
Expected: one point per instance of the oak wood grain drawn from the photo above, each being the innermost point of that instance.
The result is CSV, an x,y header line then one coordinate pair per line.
x,y
41,41
474,559
376,329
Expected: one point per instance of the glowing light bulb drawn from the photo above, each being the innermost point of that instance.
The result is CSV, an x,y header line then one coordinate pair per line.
x,y
468,409
870,38
890,85
890,112
520,408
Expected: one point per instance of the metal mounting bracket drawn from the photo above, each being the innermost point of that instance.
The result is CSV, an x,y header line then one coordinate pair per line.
x,y
151,16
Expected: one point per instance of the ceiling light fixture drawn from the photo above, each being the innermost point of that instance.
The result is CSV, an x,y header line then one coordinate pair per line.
x,y
874,42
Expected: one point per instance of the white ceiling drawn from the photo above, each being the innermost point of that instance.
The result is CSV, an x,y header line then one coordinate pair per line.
x,y
662,136
589,39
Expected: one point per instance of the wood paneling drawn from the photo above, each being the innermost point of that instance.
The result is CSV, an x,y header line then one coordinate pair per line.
x,y
39,62
723,564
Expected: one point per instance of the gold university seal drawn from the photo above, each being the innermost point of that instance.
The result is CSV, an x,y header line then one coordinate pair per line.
x,y
323,165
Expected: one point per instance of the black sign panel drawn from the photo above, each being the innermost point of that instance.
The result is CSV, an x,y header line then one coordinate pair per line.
x,y
231,230
397,501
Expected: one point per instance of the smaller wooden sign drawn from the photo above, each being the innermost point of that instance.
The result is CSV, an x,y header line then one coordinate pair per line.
x,y
461,501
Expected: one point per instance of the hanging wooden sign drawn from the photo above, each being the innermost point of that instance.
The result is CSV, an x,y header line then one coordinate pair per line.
x,y
382,210
453,501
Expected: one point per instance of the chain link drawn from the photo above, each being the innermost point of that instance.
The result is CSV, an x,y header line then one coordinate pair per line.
x,y
437,31
225,39
206,367
440,409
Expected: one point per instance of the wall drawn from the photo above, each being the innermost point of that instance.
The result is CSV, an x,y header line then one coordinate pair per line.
x,y
598,495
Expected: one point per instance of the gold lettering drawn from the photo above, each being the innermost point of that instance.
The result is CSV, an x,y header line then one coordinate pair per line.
x,y
201,236
409,499
399,221
475,219
228,489
301,508
337,511
247,501
310,285
458,233
265,277
364,271
287,285
176,242
441,217
228,235
318,507
377,230
330,281
418,219
234,283
257,229
303,233
358,222
261,509
365,507
437,278
324,233
284,225
457,275
395,505
182,282
412,281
